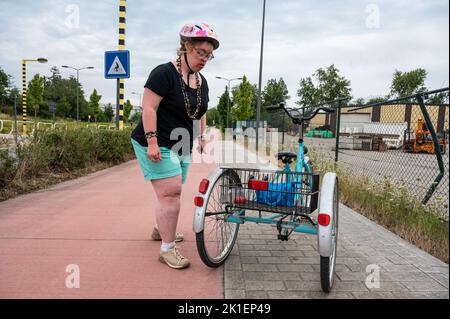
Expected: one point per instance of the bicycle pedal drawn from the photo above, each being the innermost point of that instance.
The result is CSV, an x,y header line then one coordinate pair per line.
x,y
283,237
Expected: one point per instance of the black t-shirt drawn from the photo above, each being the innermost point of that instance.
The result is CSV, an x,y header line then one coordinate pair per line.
x,y
171,116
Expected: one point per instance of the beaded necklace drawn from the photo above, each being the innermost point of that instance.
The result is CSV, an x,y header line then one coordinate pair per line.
x,y
187,104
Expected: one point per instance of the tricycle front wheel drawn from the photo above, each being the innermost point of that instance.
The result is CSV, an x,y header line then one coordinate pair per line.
x,y
218,236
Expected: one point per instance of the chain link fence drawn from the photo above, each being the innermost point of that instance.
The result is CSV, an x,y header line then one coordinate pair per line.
x,y
392,142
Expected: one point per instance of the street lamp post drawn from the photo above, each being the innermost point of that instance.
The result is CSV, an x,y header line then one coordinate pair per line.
x,y
229,92
140,99
78,83
258,104
24,89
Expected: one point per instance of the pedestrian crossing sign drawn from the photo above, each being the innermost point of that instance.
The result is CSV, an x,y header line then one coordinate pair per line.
x,y
117,64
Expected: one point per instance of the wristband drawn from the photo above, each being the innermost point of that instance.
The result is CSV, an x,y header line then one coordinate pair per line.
x,y
151,134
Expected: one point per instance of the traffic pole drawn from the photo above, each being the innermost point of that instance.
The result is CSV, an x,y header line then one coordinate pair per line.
x,y
121,82
24,96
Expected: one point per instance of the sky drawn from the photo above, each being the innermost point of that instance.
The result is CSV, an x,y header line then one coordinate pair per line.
x,y
366,40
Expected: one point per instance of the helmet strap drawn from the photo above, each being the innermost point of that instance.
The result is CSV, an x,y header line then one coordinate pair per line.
x,y
187,63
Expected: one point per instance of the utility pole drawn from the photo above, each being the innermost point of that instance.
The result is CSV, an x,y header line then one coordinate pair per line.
x,y
258,105
121,82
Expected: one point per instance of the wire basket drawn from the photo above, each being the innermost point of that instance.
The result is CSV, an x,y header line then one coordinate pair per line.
x,y
271,191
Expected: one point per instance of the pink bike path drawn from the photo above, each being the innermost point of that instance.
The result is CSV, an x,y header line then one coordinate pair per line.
x,y
96,229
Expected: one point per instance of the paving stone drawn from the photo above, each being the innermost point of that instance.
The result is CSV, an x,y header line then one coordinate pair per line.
x,y
303,285
258,275
246,247
388,286
400,268
257,294
233,263
397,260
443,280
305,260
310,276
234,280
288,295
235,294
421,295
264,285
295,268
352,276
287,253
373,295
251,241
249,260
331,295
259,267
268,247
404,276
418,286
274,260
349,286
255,253
347,261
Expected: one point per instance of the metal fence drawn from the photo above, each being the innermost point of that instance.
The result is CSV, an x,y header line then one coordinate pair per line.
x,y
405,141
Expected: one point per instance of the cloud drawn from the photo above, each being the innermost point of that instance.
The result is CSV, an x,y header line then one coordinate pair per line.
x,y
300,37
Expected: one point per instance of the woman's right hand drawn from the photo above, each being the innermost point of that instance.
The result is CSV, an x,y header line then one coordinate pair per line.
x,y
154,153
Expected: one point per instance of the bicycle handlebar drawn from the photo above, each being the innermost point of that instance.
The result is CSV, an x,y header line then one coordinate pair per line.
x,y
304,117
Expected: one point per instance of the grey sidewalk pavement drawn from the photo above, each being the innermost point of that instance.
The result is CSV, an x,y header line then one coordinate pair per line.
x,y
261,266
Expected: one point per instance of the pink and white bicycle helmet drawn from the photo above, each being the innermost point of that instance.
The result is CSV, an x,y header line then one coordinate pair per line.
x,y
201,31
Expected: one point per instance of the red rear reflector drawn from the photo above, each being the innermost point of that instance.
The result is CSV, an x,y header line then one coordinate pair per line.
x,y
198,201
324,219
203,186
240,200
258,185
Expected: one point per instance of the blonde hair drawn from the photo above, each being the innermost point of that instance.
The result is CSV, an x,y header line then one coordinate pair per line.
x,y
182,49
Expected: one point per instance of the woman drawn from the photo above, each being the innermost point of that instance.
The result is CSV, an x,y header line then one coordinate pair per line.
x,y
175,95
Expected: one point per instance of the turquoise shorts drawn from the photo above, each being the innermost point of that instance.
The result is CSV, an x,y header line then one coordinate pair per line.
x,y
171,164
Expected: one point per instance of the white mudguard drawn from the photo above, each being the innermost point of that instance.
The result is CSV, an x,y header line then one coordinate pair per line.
x,y
199,215
326,206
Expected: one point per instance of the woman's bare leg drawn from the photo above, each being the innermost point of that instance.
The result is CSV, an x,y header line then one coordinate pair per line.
x,y
168,193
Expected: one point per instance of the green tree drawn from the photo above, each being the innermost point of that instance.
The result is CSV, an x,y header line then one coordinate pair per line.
x,y
359,101
213,117
330,85
439,98
222,108
308,94
242,102
62,107
377,99
5,83
274,93
93,108
408,83
56,87
35,94
127,110
135,117
108,112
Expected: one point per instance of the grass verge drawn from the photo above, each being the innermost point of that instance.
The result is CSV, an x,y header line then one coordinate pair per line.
x,y
58,155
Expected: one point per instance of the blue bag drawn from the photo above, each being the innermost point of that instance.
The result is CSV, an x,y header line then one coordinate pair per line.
x,y
278,194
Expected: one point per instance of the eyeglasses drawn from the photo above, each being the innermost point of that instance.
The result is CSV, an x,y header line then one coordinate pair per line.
x,y
203,54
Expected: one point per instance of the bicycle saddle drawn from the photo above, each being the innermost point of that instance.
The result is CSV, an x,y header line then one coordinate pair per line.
x,y
286,157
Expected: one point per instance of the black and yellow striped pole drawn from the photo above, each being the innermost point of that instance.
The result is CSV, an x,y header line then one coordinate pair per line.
x,y
24,90
121,82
